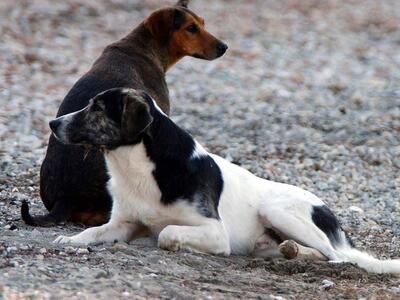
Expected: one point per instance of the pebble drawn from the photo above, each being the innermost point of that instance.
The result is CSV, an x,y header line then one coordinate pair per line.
x,y
42,250
35,234
82,251
12,249
14,263
101,274
120,245
70,250
327,284
396,290
356,209
272,297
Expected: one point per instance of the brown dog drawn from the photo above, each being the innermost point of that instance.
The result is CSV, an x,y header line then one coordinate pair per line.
x,y
72,181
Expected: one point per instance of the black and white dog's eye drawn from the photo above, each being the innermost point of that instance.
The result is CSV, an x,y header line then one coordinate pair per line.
x,y
192,28
96,107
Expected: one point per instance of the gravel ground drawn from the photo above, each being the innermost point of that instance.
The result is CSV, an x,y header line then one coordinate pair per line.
x,y
308,94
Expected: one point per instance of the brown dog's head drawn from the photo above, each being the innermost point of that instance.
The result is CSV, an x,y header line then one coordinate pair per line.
x,y
183,33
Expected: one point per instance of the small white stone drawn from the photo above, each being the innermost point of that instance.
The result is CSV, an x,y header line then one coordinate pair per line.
x,y
327,284
12,249
273,297
69,250
14,263
356,209
42,250
35,233
82,251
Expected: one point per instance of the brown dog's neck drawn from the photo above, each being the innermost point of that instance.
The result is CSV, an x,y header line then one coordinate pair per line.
x,y
141,42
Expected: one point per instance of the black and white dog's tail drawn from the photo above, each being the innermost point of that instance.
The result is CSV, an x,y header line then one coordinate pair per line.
x,y
344,249
367,262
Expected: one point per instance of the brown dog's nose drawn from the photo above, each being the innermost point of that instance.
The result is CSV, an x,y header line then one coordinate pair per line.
x,y
221,48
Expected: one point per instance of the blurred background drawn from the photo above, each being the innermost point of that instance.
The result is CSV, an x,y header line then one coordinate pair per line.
x,y
308,94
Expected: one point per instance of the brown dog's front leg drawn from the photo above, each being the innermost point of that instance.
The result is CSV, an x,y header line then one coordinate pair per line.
x,y
291,250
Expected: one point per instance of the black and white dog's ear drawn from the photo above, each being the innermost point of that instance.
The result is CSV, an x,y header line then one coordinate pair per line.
x,y
183,3
136,117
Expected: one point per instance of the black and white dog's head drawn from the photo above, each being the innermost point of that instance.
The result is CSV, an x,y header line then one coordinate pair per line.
x,y
113,118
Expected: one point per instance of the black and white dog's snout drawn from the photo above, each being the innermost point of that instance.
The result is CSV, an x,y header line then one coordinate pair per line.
x,y
59,127
54,124
56,127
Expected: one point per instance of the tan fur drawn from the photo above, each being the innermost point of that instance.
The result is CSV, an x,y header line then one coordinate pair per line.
x,y
180,42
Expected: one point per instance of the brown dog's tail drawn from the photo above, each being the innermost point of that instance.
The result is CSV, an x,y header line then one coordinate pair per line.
x,y
58,214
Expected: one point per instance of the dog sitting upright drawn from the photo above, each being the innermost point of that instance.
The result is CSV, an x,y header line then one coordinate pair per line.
x,y
72,181
164,183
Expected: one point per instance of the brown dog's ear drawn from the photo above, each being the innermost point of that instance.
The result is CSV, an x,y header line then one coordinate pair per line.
x,y
163,22
183,3
136,118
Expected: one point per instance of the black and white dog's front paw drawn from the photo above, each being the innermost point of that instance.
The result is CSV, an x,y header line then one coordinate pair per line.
x,y
169,239
73,240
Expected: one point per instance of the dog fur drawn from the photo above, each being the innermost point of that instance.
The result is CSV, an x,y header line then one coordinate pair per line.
x,y
164,183
73,180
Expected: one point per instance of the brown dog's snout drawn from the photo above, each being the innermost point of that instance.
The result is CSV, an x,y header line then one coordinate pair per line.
x,y
221,48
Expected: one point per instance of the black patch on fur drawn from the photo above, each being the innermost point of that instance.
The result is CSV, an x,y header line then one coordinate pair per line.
x,y
325,220
179,19
273,235
113,105
198,56
178,175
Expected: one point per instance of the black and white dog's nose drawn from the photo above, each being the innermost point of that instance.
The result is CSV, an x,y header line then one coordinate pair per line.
x,y
54,124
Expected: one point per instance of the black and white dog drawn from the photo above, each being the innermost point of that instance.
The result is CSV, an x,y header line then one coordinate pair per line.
x,y
165,184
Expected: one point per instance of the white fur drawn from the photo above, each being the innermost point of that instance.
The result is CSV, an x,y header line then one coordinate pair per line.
x,y
198,151
158,108
247,206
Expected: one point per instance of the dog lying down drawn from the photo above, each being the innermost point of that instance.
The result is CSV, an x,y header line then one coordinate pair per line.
x,y
163,183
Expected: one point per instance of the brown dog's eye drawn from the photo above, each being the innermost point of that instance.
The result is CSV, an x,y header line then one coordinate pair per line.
x,y
192,28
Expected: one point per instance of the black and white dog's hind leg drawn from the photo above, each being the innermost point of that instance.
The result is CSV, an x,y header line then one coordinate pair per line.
x,y
295,225
315,226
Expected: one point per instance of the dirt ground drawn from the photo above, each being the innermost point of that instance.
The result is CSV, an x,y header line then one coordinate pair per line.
x,y
308,94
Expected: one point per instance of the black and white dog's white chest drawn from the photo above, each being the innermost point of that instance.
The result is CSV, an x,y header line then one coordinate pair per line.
x,y
167,192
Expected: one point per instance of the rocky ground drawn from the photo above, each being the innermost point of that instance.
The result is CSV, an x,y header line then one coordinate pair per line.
x,y
308,94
